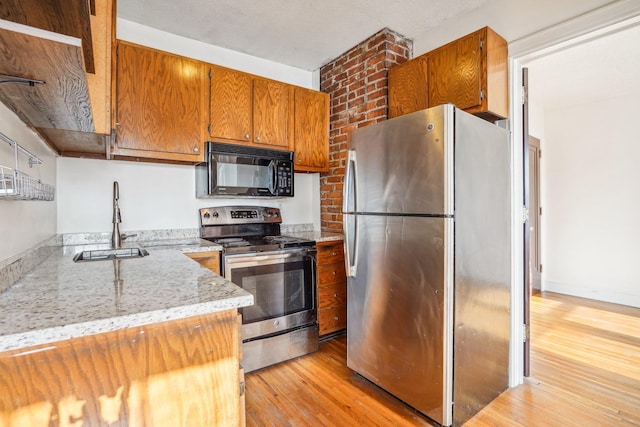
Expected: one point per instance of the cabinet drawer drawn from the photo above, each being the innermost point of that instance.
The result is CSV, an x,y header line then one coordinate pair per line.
x,y
332,319
330,252
332,296
331,273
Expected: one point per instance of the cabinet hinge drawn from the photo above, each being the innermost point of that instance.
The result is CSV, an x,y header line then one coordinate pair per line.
x,y
525,214
241,388
209,128
482,94
539,154
523,95
117,50
540,268
481,44
526,333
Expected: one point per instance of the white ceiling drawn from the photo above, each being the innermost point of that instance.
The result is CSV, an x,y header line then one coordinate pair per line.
x,y
307,34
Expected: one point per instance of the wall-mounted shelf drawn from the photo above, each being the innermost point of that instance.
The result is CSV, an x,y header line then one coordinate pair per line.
x,y
17,185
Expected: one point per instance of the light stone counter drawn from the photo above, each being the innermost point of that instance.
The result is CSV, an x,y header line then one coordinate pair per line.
x,y
60,299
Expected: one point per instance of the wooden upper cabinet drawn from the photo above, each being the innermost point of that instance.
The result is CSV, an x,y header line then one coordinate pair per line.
x,y
161,105
230,104
250,110
271,109
455,73
471,73
68,45
311,124
408,90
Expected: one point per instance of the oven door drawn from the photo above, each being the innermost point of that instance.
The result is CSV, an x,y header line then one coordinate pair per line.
x,y
283,285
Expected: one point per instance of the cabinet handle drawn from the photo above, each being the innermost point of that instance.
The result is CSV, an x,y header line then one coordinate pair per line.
x,y
334,253
335,295
196,150
257,138
335,272
246,136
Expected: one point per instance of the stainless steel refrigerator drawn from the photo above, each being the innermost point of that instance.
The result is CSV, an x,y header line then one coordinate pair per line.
x,y
427,244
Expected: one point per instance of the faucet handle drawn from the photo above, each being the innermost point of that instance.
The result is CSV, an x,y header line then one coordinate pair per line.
x,y
125,236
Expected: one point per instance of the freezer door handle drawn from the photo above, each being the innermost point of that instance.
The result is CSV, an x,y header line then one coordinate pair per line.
x,y
349,205
350,194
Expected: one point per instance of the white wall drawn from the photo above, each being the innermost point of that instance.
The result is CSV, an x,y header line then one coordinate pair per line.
x,y
25,223
511,19
154,196
591,200
160,196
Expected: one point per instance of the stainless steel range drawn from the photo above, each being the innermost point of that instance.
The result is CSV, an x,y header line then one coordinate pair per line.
x,y
280,272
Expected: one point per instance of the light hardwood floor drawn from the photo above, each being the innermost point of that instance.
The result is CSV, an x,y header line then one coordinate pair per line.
x,y
585,367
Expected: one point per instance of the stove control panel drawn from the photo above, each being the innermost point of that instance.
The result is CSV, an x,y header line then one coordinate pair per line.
x,y
230,215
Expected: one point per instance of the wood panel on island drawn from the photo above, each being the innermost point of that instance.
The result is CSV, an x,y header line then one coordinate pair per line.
x,y
178,373
332,287
470,72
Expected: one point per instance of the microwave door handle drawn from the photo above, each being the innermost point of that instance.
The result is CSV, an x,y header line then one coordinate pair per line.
x,y
273,176
212,173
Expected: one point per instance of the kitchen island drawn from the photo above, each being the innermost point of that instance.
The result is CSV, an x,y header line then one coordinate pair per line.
x,y
144,341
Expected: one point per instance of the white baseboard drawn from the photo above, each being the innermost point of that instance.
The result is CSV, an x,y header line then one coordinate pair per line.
x,y
607,295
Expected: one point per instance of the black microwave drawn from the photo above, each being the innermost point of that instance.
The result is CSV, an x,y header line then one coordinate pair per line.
x,y
239,170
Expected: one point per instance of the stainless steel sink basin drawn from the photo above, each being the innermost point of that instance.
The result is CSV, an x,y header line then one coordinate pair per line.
x,y
107,254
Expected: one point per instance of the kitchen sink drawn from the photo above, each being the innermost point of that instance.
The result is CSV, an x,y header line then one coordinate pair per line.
x,y
107,254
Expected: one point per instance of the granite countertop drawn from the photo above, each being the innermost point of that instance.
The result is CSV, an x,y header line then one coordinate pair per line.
x,y
61,299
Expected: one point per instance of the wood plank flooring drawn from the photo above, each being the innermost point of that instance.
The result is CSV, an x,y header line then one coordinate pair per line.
x,y
585,372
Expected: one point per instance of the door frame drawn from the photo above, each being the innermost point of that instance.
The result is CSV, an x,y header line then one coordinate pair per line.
x,y
603,21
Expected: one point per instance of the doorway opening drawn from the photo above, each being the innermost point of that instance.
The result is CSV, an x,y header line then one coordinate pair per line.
x,y
607,20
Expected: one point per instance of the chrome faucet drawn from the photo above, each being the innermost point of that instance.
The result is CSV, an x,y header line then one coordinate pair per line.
x,y
116,238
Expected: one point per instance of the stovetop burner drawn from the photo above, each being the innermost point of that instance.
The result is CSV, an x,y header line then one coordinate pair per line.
x,y
241,229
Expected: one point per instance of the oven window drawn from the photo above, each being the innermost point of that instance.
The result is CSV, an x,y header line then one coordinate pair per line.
x,y
278,289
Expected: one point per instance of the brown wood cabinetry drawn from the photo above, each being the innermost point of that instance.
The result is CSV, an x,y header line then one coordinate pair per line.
x,y
160,105
471,73
211,260
311,134
178,373
332,287
250,110
72,111
408,91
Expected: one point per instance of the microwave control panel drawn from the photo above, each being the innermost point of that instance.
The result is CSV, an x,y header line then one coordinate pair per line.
x,y
285,178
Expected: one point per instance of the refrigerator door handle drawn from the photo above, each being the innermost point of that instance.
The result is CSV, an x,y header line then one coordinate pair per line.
x,y
349,204
350,196
349,255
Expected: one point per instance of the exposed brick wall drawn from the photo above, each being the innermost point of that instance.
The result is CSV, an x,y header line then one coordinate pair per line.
x,y
357,85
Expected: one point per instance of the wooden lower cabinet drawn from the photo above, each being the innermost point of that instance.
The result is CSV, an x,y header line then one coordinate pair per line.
x,y
177,373
332,287
211,260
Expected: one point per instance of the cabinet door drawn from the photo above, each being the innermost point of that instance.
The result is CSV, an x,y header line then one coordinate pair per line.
x,y
271,114
311,124
455,73
160,104
230,104
408,87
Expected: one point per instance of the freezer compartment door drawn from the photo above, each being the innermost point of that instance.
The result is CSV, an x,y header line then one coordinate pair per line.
x,y
403,165
399,317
